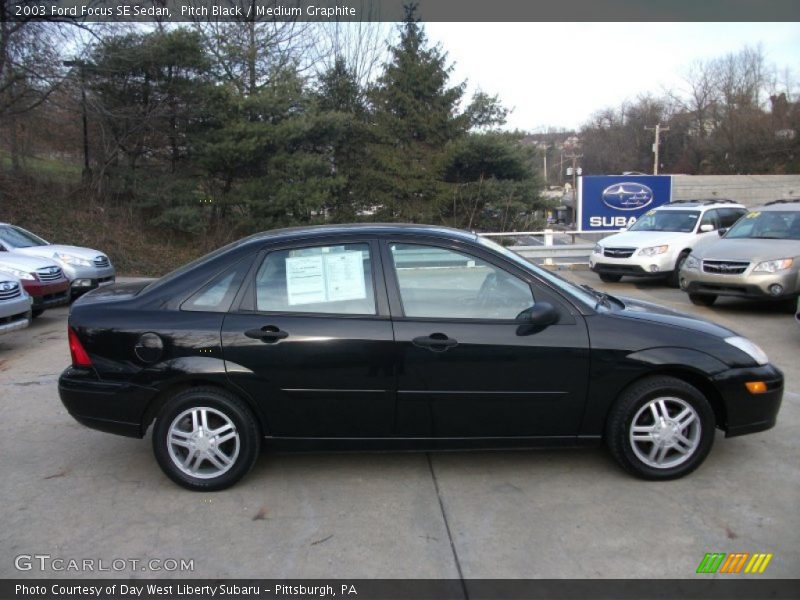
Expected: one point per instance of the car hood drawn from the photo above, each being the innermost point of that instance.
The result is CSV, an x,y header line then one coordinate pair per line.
x,y
51,249
641,239
655,313
24,262
750,249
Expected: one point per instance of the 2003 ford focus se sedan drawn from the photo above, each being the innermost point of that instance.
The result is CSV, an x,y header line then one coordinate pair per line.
x,y
401,337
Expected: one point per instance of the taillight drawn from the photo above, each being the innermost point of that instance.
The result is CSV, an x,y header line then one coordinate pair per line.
x,y
80,358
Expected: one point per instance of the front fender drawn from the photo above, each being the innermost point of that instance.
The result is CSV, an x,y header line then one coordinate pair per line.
x,y
679,357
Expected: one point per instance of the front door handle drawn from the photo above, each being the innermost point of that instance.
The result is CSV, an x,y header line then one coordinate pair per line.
x,y
436,342
268,334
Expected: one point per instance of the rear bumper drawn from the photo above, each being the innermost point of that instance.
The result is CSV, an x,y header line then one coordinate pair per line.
x,y
746,412
107,406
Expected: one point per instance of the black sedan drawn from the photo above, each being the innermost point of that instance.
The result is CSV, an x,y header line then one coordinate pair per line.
x,y
399,337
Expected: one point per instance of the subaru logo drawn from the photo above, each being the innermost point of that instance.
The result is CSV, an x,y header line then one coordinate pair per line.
x,y
627,196
52,270
7,287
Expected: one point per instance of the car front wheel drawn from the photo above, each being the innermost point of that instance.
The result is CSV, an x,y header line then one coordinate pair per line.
x,y
660,428
206,439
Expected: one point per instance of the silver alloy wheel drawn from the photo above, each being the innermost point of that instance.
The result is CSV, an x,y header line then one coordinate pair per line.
x,y
665,432
203,442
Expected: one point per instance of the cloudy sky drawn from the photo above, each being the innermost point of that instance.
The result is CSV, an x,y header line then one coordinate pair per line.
x,y
558,74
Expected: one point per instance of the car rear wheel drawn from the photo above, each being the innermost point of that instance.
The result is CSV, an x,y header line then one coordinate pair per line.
x,y
609,277
660,428
702,299
206,439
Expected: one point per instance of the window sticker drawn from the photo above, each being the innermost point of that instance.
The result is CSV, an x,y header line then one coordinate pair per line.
x,y
344,276
752,215
326,277
305,280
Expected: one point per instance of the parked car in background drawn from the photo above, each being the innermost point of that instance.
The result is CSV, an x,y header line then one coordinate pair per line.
x,y
43,279
658,243
759,257
395,336
85,268
15,304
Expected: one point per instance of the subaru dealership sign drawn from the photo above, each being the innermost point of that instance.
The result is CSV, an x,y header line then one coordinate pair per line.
x,y
610,202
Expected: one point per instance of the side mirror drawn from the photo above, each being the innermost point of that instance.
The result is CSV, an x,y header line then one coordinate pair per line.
x,y
722,231
537,318
706,228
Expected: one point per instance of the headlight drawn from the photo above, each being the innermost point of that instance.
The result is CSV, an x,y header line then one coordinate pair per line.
x,y
749,348
75,261
653,250
773,266
598,249
18,274
691,263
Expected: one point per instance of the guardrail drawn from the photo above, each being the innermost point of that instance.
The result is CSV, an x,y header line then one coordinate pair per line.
x,y
548,250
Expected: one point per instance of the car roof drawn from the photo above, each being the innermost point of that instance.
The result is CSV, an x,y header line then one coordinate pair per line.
x,y
700,203
313,231
781,205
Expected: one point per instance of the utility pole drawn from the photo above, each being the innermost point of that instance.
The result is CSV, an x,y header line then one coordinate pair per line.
x,y
658,129
545,165
574,158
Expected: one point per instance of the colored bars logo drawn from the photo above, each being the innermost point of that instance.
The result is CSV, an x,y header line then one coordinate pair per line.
x,y
737,562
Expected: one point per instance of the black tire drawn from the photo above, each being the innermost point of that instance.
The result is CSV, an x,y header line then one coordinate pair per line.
x,y
674,278
36,312
703,299
221,402
635,401
609,277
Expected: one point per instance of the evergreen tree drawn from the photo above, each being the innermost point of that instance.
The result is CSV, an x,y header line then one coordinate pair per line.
x,y
416,116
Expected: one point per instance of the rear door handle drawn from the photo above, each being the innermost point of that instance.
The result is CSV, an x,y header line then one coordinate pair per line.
x,y
436,342
268,334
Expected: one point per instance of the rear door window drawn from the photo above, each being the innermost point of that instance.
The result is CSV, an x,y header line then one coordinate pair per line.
x,y
330,279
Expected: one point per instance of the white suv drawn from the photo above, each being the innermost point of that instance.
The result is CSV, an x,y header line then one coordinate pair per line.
x,y
661,239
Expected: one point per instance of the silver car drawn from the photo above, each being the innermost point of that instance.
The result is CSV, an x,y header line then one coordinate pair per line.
x,y
759,257
85,268
15,304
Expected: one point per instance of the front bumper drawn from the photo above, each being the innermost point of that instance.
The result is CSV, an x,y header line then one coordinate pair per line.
x,y
15,314
746,412
85,279
745,285
633,266
113,407
48,295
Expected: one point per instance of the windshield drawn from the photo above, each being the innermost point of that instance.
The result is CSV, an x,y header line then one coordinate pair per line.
x,y
768,225
556,280
19,238
667,220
